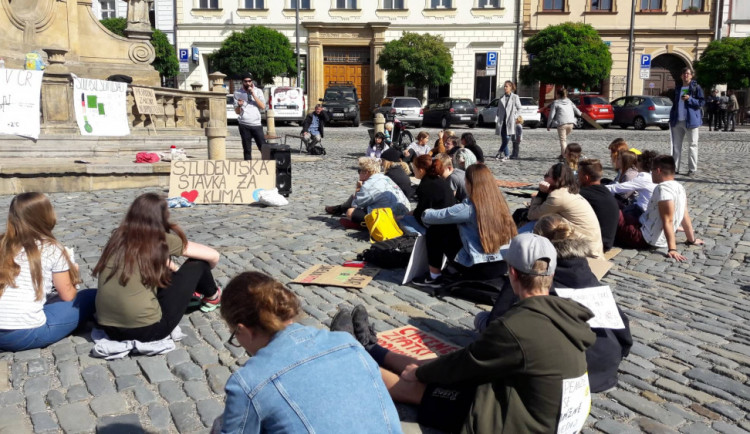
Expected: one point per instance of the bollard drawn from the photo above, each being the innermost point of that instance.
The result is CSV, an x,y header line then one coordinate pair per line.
x,y
270,123
379,123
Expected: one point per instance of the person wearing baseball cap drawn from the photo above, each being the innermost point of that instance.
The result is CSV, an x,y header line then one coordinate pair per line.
x,y
248,103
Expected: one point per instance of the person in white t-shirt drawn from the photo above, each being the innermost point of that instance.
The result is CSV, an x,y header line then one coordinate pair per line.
x,y
39,302
666,212
418,147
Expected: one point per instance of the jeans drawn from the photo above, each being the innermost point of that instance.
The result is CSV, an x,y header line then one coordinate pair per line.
x,y
731,118
629,233
311,141
409,224
504,141
248,133
681,133
62,318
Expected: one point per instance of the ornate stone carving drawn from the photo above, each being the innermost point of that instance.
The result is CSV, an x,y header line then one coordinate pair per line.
x,y
141,53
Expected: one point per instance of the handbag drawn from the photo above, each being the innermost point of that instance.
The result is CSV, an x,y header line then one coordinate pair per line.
x,y
382,225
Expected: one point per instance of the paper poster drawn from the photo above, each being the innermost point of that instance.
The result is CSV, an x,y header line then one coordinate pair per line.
x,y
100,107
221,181
414,342
287,101
20,92
575,406
146,102
600,301
336,275
418,261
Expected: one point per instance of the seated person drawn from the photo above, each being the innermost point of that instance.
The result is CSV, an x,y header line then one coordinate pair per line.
x,y
626,165
641,186
468,142
463,158
667,210
601,200
456,177
397,170
377,147
442,140
558,194
313,127
418,147
433,192
297,374
617,145
469,233
388,133
510,380
572,156
39,303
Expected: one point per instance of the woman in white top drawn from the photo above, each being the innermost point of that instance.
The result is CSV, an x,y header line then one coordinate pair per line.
x,y
39,303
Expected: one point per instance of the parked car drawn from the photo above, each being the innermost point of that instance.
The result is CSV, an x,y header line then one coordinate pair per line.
x,y
342,102
231,115
641,111
451,111
529,112
595,106
288,103
407,109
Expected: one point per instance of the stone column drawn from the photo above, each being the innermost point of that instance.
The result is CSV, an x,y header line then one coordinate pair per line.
x,y
58,116
217,124
378,88
315,67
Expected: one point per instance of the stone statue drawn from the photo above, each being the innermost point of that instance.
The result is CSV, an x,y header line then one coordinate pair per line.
x,y
138,14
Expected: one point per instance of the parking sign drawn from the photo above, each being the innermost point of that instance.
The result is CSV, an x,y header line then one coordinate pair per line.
x,y
184,55
491,59
645,61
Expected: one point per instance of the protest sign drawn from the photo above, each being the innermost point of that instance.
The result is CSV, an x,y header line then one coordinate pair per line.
x,y
19,102
336,275
100,107
413,342
221,181
599,300
600,267
146,102
575,404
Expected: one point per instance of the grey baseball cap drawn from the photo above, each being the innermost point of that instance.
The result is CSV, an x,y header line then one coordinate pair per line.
x,y
525,249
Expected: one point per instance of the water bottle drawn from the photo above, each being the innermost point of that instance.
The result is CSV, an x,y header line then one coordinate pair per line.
x,y
173,153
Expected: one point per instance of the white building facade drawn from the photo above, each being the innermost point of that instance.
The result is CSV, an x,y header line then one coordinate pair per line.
x,y
161,14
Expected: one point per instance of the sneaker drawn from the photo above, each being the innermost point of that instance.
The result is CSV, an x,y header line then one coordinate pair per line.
x,y
481,320
428,282
348,224
690,173
342,322
333,209
505,158
362,329
211,304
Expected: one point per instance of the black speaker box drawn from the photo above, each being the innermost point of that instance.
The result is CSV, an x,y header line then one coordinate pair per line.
x,y
282,155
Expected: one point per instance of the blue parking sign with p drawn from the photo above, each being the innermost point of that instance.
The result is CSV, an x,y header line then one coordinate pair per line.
x,y
183,54
492,59
645,60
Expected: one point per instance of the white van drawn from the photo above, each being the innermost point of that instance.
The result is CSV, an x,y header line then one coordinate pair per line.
x,y
288,103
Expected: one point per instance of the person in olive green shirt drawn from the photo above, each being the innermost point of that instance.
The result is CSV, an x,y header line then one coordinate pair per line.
x,y
142,294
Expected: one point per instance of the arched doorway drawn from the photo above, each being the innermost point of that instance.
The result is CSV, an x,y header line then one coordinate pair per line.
x,y
665,69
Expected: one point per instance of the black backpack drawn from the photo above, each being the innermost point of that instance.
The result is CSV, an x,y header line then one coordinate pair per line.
x,y
316,150
393,253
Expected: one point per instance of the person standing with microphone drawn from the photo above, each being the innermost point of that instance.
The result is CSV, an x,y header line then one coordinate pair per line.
x,y
248,102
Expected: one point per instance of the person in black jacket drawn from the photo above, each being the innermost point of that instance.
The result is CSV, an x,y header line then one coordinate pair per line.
x,y
602,201
433,192
313,127
395,169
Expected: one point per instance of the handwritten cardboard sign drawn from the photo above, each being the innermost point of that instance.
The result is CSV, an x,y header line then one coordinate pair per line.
x,y
575,404
336,275
413,342
599,300
146,102
19,102
600,267
221,181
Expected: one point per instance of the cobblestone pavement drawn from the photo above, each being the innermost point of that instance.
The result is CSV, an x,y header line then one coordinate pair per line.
x,y
687,372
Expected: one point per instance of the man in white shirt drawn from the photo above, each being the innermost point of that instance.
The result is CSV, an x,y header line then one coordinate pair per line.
x,y
248,102
666,212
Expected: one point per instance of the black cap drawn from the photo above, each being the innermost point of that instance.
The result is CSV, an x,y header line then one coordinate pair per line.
x,y
247,75
391,154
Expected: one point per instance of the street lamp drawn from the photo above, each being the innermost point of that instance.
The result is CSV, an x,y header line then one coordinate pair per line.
x,y
296,34
630,49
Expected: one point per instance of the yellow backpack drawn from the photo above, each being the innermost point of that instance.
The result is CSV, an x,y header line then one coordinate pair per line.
x,y
382,225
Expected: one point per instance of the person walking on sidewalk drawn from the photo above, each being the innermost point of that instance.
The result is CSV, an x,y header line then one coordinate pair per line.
x,y
732,108
507,111
562,115
685,118
248,103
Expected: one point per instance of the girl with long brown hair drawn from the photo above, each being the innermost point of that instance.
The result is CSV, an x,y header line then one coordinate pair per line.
x,y
471,232
142,293
33,265
433,192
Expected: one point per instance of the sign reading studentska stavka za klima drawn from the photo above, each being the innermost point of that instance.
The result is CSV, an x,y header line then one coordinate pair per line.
x,y
221,181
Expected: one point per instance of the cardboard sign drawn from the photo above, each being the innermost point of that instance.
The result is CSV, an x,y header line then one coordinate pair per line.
x,y
221,181
336,275
100,107
146,102
600,301
19,102
600,267
575,404
511,184
413,342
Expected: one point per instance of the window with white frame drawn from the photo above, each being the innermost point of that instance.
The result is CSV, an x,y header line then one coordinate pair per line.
x,y
303,4
109,10
393,4
601,5
254,4
208,4
488,4
441,4
692,5
346,4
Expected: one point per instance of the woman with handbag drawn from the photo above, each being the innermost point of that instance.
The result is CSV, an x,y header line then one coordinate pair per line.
x,y
562,115
508,109
469,233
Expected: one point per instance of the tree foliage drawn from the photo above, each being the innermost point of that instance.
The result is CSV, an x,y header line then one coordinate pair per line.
x,y
264,52
166,62
419,60
569,54
727,61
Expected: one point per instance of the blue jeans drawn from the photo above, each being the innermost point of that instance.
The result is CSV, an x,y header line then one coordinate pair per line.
x,y
409,224
527,228
62,318
504,141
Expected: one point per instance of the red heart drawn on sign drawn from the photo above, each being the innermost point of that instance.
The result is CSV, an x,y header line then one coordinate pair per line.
x,y
190,195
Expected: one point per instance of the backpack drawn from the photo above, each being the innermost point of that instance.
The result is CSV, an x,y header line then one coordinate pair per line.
x,y
317,150
489,292
393,253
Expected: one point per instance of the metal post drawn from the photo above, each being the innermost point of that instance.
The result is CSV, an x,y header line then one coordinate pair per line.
x,y
517,42
296,34
630,49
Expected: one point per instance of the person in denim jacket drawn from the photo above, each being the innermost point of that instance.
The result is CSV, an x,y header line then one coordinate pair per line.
x,y
685,118
300,379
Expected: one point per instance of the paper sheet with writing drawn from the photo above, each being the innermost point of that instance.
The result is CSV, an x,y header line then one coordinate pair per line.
x,y
19,102
414,342
599,300
100,107
575,405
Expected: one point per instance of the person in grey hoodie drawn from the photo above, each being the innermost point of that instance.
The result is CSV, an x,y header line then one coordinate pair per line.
x,y
562,114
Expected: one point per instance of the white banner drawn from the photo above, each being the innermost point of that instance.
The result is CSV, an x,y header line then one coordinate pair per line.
x,y
20,92
100,107
600,301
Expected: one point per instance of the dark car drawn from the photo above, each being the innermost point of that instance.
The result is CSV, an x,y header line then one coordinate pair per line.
x,y
342,103
595,107
641,111
451,111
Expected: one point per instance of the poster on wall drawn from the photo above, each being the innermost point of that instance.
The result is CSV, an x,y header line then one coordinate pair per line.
x,y
20,92
100,107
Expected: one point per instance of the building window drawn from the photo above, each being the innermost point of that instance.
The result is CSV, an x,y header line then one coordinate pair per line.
x,y
346,4
109,10
601,5
554,5
209,4
254,4
303,4
692,5
441,4
650,5
488,4
393,4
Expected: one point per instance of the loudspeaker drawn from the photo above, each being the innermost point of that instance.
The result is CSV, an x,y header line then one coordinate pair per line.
x,y
282,155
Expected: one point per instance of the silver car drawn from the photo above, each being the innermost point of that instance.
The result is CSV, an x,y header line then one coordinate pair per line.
x,y
529,112
641,111
407,109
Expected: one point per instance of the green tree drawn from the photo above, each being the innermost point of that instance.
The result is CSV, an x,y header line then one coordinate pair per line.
x,y
264,52
419,60
166,62
727,61
569,54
